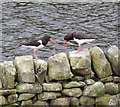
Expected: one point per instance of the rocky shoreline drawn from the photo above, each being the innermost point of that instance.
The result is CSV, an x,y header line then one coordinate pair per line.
x,y
90,77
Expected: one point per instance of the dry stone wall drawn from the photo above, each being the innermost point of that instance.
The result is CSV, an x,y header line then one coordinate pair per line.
x,y
90,77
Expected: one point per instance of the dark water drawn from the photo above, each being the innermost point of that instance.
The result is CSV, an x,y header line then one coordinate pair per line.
x,y
23,21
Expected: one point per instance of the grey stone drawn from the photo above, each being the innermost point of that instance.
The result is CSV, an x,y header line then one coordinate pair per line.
x,y
7,74
58,67
48,95
73,84
116,79
25,68
28,102
77,78
8,91
89,81
112,88
80,62
100,64
3,100
73,92
40,70
30,88
60,102
0,84
113,55
95,90
107,101
107,79
74,101
12,98
41,103
25,96
52,87
84,100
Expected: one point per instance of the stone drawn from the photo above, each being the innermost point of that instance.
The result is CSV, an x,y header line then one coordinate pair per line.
x,y
40,70
84,100
8,91
58,67
107,101
74,101
48,95
107,79
41,103
113,55
116,79
3,100
0,84
60,102
73,84
100,64
52,86
25,69
12,98
28,102
73,92
77,78
25,96
7,74
29,88
95,90
112,88
89,81
80,62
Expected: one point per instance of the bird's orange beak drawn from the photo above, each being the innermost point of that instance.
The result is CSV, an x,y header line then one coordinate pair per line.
x,y
52,41
65,43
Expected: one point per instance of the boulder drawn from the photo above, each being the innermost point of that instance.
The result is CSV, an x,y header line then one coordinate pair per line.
x,y
3,100
48,95
28,102
58,67
0,84
84,100
77,78
8,91
74,101
80,62
108,100
29,88
25,96
12,98
25,68
40,70
73,84
41,103
60,102
112,88
73,92
89,81
95,90
116,79
100,64
107,79
52,87
113,55
7,74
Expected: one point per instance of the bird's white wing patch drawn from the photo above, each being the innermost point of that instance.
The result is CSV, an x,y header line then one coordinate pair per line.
x,y
82,41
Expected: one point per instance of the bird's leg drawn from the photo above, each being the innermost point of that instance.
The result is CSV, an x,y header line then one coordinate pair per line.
x,y
36,54
79,48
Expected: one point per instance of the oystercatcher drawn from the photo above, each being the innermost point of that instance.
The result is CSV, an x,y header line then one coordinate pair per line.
x,y
38,44
80,38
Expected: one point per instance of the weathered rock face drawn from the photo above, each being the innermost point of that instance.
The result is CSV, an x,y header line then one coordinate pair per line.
x,y
29,88
25,69
107,101
7,92
7,74
95,90
3,100
52,87
48,95
58,67
113,55
112,88
41,70
84,100
80,62
74,101
73,92
100,64
60,102
13,98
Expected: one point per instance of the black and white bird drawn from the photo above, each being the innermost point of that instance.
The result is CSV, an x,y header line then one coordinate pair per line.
x,y
38,44
80,38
